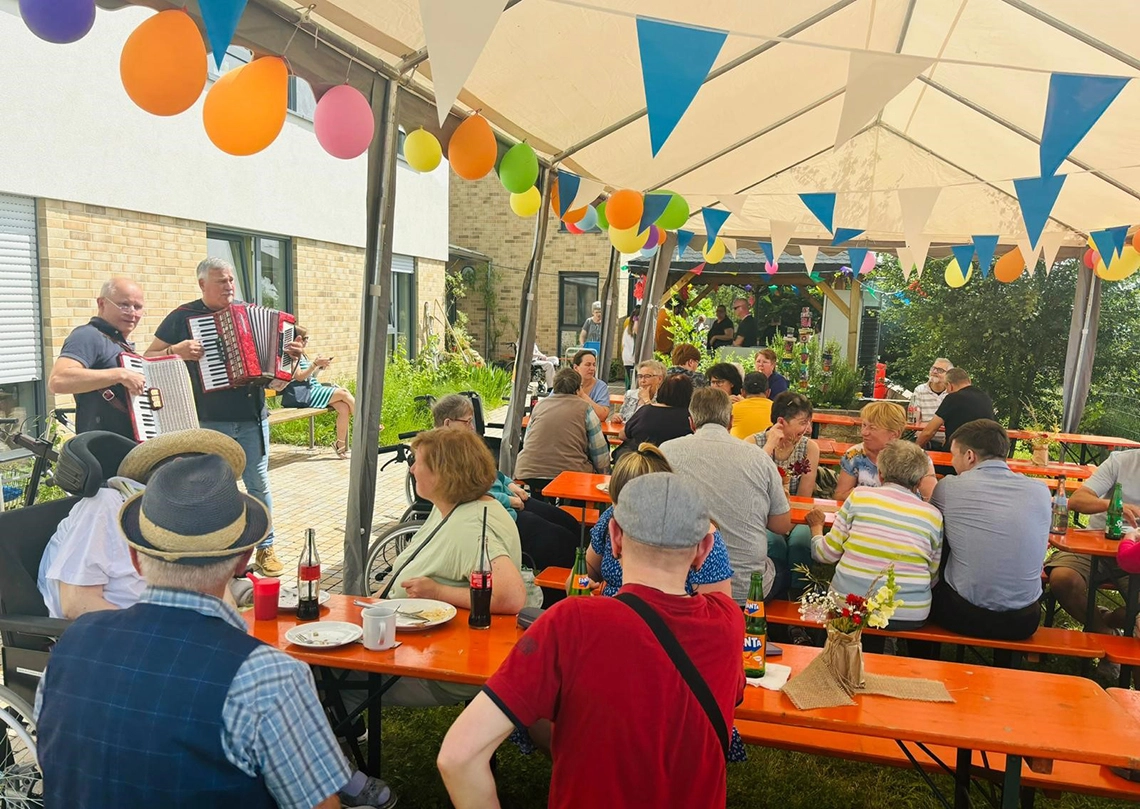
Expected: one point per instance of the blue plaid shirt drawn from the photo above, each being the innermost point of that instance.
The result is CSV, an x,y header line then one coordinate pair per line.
x,y
273,724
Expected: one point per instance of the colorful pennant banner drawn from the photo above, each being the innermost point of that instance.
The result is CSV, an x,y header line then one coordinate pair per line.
x,y
822,207
568,185
810,253
963,254
1051,241
455,35
873,79
1037,196
683,239
781,233
856,256
1076,102
714,220
654,205
221,18
769,253
985,247
844,235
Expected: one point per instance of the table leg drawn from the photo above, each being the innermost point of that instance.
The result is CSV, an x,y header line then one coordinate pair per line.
x,y
1011,783
375,714
1090,605
962,769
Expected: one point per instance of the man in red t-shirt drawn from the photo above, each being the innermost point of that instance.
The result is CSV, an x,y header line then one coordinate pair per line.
x,y
628,728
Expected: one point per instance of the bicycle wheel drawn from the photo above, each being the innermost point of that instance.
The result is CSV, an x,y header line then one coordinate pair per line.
x,y
21,783
383,552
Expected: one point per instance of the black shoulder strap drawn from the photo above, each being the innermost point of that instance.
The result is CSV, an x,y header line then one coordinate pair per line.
x,y
683,662
416,553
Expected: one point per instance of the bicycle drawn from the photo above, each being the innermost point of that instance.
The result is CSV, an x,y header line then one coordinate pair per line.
x,y
18,482
21,781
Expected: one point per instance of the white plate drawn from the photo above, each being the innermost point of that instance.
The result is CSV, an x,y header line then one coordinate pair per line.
x,y
603,487
288,598
437,612
324,634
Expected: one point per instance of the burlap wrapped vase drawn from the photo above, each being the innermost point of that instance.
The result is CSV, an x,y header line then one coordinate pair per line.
x,y
843,656
1041,455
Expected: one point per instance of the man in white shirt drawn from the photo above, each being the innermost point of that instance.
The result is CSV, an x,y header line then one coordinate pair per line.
x,y
929,395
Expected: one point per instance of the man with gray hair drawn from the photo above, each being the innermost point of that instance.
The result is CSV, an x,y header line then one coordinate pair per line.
x,y
88,365
179,671
929,395
237,412
741,486
672,673
963,403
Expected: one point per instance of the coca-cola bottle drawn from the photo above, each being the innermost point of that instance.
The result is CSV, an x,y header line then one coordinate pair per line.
x,y
309,579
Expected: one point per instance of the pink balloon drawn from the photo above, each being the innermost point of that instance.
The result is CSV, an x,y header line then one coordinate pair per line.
x,y
344,122
868,263
771,268
573,229
1128,555
654,238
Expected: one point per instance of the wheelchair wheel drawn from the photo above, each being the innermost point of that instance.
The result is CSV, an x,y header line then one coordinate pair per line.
x,y
21,782
383,552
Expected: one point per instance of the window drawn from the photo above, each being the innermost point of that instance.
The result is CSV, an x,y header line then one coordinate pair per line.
x,y
576,295
402,315
302,101
262,264
21,341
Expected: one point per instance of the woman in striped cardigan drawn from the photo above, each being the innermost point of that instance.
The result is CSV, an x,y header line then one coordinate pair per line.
x,y
880,526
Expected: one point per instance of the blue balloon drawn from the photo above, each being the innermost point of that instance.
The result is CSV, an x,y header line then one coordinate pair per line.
x,y
58,21
650,253
590,220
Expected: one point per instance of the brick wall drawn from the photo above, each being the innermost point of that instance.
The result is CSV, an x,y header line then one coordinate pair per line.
x,y
481,219
329,283
80,246
431,299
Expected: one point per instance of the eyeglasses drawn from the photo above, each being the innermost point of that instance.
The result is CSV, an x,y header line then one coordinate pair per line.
x,y
938,371
648,376
466,421
126,308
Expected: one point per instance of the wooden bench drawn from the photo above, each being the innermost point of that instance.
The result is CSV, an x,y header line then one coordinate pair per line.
x,y
1066,776
1046,640
280,415
588,516
552,577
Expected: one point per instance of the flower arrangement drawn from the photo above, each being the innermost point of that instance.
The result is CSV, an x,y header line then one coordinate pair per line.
x,y
848,614
1041,439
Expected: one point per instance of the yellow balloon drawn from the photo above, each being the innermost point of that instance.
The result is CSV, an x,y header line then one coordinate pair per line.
x,y
527,203
1121,267
714,252
628,240
1010,266
423,152
954,277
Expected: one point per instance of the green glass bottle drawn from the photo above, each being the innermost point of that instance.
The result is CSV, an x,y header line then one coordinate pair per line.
x,y
755,628
579,576
1114,522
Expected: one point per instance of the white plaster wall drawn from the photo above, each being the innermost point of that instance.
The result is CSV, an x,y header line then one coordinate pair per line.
x,y
68,131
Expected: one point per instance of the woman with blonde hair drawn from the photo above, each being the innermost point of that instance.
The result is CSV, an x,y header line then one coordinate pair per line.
x,y
306,391
882,423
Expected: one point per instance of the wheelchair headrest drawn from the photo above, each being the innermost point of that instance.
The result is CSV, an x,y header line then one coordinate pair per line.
x,y
87,460
477,406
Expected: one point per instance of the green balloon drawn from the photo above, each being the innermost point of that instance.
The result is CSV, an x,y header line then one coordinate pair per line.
x,y
603,223
518,170
676,213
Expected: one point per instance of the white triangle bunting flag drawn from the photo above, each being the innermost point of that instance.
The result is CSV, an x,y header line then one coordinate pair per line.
x,y
736,203
916,205
781,235
455,34
906,261
588,191
1029,253
919,248
810,253
729,245
1050,244
873,79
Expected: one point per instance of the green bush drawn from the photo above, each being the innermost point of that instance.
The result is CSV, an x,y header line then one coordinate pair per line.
x,y
839,390
431,373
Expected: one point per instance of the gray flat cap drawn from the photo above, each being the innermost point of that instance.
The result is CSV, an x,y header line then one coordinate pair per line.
x,y
662,509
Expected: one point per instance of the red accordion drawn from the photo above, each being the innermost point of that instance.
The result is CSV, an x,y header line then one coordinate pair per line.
x,y
243,344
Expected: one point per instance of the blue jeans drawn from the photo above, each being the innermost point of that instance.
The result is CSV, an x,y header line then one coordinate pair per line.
x,y
254,439
795,549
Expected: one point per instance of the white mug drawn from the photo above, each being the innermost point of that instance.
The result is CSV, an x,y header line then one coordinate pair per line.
x,y
379,627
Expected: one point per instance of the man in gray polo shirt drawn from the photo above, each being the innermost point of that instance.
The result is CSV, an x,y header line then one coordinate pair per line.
x,y
1069,572
741,486
991,582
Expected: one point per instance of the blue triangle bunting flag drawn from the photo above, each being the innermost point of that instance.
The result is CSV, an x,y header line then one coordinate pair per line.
x,y
714,220
1119,236
963,254
844,235
985,247
221,18
822,207
567,189
1037,196
768,252
654,206
1075,104
683,239
856,255
1105,244
675,60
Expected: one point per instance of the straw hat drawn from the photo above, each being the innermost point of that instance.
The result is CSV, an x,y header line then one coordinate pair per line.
x,y
193,512
141,461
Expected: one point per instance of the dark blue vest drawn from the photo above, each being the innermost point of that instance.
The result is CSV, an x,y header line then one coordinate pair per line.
x,y
132,712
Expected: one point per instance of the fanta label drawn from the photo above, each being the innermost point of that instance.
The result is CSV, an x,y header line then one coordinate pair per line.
x,y
752,644
582,582
751,607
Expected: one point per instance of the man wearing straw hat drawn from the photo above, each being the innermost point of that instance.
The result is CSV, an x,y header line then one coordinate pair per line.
x,y
170,702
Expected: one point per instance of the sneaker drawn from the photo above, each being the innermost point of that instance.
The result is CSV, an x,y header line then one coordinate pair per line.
x,y
375,793
267,560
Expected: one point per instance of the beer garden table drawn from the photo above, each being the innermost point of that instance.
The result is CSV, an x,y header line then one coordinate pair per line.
x,y
1023,714
1093,544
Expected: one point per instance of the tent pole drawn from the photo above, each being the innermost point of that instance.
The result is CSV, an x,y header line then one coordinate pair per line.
x,y
609,314
512,429
854,312
651,304
1072,410
375,302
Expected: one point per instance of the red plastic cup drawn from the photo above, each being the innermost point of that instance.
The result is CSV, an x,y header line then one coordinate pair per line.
x,y
266,592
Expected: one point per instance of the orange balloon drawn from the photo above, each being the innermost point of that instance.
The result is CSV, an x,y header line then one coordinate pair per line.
x,y
163,64
245,109
574,216
473,148
1136,240
1010,266
624,209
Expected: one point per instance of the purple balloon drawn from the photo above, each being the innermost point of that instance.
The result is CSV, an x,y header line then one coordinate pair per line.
x,y
654,238
58,21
